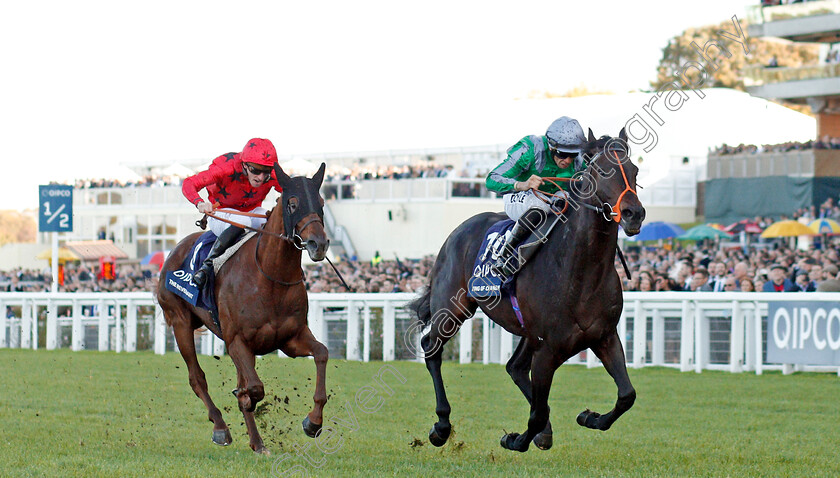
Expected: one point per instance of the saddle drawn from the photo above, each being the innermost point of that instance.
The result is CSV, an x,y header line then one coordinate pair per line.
x,y
484,282
180,282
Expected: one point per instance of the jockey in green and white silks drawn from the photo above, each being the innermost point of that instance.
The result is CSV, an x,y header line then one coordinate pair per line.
x,y
528,161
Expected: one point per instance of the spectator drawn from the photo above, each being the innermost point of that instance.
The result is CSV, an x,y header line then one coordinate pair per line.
x,y
700,281
778,282
747,285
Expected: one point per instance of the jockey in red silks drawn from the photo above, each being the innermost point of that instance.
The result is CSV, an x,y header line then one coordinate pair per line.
x,y
238,181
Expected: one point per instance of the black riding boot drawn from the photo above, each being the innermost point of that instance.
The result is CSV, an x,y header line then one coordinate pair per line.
x,y
228,238
532,219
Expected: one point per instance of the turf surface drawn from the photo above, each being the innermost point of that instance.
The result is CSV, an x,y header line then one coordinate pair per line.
x,y
106,414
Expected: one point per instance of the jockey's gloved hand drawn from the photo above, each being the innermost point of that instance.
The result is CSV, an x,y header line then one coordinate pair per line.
x,y
204,207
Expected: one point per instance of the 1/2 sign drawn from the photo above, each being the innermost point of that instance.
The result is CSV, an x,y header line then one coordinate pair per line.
x,y
56,208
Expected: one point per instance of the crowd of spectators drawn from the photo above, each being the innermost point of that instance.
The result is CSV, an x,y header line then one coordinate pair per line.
x,y
676,268
748,269
81,278
825,142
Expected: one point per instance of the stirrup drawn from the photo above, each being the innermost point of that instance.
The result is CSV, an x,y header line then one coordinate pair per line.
x,y
201,272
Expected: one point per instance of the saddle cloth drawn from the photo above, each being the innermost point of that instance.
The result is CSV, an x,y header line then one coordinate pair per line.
x,y
484,282
180,281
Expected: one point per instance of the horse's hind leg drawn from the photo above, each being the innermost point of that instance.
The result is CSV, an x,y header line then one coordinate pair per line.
x,y
304,345
249,390
184,336
444,325
519,368
611,354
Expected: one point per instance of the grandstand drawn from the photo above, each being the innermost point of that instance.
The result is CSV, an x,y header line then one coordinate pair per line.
x,y
411,216
809,175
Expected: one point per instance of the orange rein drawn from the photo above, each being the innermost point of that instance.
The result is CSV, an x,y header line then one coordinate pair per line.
x,y
616,210
553,180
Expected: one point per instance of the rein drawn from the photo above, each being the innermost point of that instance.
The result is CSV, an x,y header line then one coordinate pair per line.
x,y
296,241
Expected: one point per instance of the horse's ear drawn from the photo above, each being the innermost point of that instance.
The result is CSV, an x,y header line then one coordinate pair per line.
x,y
319,176
282,177
622,135
591,137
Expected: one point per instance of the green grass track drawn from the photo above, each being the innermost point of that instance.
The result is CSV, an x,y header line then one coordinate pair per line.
x,y
134,414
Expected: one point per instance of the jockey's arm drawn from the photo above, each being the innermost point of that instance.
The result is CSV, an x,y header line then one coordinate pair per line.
x,y
503,178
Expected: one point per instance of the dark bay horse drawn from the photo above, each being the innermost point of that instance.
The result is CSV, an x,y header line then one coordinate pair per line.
x,y
262,304
569,294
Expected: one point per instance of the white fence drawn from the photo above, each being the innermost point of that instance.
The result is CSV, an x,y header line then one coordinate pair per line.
x,y
689,331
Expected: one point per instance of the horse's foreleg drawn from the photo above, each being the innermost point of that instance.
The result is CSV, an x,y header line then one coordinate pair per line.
x,y
519,368
611,354
186,344
543,366
249,390
303,345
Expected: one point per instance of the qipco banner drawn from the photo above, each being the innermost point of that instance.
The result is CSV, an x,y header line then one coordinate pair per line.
x,y
803,333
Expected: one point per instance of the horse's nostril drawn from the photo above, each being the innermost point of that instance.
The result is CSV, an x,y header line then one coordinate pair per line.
x,y
628,213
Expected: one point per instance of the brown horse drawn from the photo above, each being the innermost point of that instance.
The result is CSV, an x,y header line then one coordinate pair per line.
x,y
262,304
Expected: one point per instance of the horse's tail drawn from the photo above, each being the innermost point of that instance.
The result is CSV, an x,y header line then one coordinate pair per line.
x,y
421,307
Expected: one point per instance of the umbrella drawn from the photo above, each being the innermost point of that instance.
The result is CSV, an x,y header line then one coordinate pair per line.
x,y
719,227
744,226
825,226
698,233
787,229
64,255
658,230
155,258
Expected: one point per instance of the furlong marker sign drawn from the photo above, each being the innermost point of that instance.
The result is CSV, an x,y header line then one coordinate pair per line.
x,y
803,333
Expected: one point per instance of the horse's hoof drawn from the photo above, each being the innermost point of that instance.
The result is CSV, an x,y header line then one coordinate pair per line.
x,y
509,442
311,429
222,437
438,437
589,419
262,451
543,441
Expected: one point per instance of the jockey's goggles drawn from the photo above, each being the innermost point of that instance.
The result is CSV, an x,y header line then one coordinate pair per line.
x,y
257,171
562,154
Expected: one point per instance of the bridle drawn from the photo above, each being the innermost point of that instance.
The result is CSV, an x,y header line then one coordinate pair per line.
x,y
607,211
295,240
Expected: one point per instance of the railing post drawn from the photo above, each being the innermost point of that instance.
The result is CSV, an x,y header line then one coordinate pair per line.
x,y
759,355
686,337
316,321
736,339
25,325
658,335
103,326
3,324
160,331
118,329
34,336
701,338
465,337
52,324
389,327
485,340
505,346
366,337
749,339
218,345
77,337
639,335
591,359
352,331
131,326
